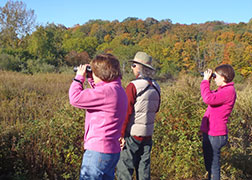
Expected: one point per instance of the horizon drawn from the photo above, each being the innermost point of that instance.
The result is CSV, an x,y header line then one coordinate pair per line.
x,y
78,12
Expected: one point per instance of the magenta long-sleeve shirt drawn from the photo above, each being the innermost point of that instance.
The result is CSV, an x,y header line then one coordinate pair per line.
x,y
106,107
220,105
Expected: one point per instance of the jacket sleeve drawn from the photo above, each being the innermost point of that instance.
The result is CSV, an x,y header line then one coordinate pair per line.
x,y
131,95
211,97
85,98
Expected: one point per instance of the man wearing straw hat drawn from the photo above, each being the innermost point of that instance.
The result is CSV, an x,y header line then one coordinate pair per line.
x,y
143,103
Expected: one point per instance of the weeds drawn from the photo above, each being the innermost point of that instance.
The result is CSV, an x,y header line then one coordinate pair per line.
x,y
41,134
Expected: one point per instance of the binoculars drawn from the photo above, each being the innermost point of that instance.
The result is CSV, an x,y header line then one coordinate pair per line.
x,y
88,69
212,76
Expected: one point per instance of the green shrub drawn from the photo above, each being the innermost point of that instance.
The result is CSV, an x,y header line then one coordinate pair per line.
x,y
37,66
9,62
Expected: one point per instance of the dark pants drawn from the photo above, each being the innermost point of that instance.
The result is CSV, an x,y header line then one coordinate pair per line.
x,y
211,149
134,156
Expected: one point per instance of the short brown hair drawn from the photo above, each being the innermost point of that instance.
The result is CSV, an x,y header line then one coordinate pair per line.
x,y
106,67
226,71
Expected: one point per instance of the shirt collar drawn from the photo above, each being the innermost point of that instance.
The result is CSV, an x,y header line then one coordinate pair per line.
x,y
101,83
228,84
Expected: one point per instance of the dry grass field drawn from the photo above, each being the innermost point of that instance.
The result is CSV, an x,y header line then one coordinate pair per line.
x,y
41,134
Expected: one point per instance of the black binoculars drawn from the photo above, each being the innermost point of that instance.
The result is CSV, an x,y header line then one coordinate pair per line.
x,y
212,76
88,69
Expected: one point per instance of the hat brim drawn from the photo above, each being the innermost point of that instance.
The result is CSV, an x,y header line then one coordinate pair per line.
x,y
145,65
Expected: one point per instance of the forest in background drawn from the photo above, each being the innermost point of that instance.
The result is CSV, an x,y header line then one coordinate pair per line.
x,y
176,48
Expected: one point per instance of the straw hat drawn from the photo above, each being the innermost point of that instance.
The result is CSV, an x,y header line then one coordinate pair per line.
x,y
143,59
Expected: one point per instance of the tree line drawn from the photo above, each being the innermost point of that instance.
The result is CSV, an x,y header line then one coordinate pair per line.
x,y
176,48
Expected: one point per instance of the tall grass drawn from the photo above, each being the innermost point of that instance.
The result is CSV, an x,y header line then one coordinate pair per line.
x,y
41,134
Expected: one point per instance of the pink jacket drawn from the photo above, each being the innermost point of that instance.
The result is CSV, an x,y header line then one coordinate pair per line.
x,y
220,105
106,107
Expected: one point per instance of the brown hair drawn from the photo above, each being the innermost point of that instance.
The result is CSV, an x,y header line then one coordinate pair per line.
x,y
226,71
106,67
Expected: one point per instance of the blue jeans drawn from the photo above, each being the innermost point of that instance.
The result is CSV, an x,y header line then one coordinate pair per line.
x,y
134,156
98,166
211,149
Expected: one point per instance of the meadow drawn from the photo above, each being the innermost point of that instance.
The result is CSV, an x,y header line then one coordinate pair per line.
x,y
41,134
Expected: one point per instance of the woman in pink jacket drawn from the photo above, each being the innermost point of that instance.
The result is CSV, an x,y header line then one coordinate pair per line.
x,y
106,107
214,123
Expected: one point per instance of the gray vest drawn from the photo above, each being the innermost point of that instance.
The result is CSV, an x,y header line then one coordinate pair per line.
x,y
145,108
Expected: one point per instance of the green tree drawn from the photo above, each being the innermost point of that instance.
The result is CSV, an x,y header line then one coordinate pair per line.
x,y
15,23
100,30
46,43
80,44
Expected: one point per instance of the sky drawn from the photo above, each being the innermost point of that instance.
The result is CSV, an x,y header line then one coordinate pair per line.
x,y
72,12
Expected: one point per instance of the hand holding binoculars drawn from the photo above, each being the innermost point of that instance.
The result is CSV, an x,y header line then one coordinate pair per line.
x,y
212,76
88,69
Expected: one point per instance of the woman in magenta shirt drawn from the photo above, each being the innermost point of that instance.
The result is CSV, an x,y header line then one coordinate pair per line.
x,y
106,107
214,123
